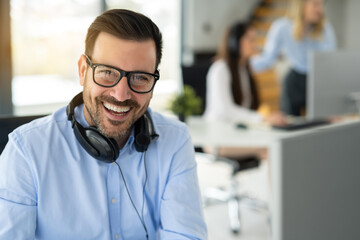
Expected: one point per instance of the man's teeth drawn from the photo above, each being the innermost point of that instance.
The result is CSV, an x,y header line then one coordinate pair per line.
x,y
116,108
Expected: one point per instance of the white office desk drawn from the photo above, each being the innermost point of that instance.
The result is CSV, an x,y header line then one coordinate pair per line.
x,y
221,133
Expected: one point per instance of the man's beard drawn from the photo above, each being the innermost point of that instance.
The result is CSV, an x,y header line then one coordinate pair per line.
x,y
98,118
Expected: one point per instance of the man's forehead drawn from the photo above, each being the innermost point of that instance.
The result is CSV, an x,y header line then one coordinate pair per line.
x,y
109,48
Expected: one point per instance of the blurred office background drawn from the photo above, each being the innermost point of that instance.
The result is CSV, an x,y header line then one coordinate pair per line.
x,y
41,41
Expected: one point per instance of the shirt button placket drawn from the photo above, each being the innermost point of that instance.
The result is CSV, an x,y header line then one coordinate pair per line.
x,y
114,204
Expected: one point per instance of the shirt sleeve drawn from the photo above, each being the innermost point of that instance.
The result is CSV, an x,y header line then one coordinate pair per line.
x,y
17,194
330,42
271,49
181,208
220,103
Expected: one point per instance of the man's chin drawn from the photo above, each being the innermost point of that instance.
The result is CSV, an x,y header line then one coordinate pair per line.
x,y
118,135
116,131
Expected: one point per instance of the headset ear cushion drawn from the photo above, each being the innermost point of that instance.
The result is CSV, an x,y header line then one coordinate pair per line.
x,y
142,141
142,138
144,132
97,145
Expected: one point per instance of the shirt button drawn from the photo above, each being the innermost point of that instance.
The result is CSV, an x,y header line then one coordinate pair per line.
x,y
113,200
116,236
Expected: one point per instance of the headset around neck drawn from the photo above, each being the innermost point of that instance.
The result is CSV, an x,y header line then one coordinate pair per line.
x,y
103,148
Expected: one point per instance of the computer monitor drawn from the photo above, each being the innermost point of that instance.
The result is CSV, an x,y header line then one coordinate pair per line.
x,y
9,123
315,186
333,78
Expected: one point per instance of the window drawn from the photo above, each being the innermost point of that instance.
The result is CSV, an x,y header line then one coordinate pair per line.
x,y
48,39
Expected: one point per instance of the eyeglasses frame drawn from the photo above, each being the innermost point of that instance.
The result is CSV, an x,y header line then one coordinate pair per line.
x,y
123,73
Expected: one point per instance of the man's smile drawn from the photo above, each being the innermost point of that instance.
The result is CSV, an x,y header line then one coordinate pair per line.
x,y
117,110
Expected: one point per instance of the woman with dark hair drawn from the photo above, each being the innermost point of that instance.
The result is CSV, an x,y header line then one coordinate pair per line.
x,y
231,93
231,90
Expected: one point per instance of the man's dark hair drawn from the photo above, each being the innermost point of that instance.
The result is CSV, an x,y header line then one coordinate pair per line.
x,y
126,25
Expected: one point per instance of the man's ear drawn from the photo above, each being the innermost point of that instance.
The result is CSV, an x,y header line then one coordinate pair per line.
x,y
82,67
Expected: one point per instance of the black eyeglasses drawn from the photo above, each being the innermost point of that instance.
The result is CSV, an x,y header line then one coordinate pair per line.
x,y
108,76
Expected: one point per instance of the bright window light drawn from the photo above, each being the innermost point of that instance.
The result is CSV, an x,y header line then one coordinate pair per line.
x,y
48,38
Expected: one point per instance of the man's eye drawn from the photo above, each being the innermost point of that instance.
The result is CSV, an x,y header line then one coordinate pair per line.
x,y
141,77
106,72
102,71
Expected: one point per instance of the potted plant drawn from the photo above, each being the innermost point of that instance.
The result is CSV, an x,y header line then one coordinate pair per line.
x,y
186,103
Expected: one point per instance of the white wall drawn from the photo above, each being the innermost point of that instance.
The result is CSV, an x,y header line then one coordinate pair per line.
x,y
335,13
352,28
206,20
345,17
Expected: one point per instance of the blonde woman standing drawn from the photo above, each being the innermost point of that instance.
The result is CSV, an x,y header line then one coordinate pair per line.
x,y
303,30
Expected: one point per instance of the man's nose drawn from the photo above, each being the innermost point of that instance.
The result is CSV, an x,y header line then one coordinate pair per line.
x,y
121,91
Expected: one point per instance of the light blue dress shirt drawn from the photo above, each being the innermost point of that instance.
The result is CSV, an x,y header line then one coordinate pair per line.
x,y
280,40
51,188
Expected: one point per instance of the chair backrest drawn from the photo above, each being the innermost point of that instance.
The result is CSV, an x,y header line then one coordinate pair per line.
x,y
195,76
8,124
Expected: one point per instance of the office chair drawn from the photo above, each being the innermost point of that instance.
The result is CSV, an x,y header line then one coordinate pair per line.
x,y
9,123
195,76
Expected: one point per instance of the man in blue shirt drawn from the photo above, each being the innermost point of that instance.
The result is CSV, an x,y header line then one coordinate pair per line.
x,y
83,172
